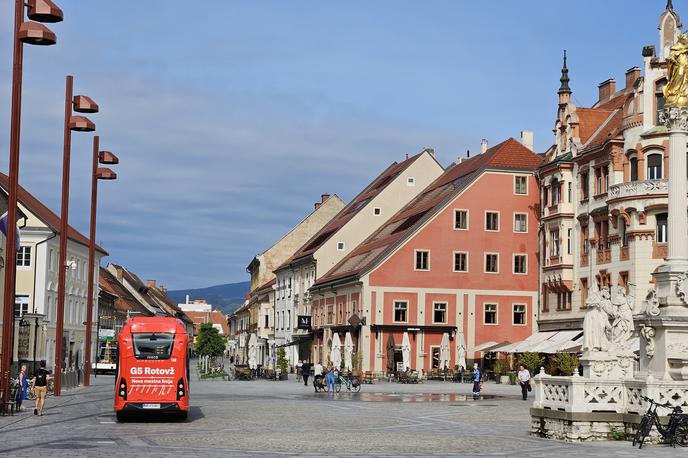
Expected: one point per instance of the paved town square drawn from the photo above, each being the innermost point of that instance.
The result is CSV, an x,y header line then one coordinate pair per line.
x,y
268,418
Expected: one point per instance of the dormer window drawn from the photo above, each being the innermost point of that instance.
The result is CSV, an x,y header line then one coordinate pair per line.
x,y
340,246
410,181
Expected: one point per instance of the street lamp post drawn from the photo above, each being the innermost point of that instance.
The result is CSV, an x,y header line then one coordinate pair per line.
x,y
102,157
80,104
36,34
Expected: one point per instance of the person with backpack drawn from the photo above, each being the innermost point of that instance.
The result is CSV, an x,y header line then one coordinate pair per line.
x,y
40,388
305,372
477,377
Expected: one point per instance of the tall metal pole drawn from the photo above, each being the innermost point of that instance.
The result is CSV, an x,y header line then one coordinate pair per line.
x,y
91,261
64,227
10,245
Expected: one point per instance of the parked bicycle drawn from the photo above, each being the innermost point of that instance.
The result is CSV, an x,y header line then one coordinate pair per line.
x,y
352,383
675,432
319,383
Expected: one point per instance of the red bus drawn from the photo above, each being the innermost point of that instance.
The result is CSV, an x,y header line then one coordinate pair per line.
x,y
153,367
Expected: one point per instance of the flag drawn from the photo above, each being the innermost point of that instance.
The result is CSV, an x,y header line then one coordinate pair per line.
x,y
3,229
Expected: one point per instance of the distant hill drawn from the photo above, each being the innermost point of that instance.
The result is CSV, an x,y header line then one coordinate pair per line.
x,y
223,297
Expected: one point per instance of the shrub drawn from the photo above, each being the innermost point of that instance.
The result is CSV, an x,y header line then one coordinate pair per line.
x,y
565,363
531,361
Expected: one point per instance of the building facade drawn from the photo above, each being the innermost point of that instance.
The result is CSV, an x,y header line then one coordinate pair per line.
x,y
371,208
604,189
454,268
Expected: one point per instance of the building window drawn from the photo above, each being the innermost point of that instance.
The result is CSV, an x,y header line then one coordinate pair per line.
x,y
585,240
570,192
340,246
491,221
659,99
377,211
439,312
491,263
460,219
622,232
556,189
49,309
519,314
288,319
654,166
330,314
598,181
24,256
583,292
520,185
410,181
520,222
633,166
605,173
568,241
520,263
661,235
267,321
21,305
584,185
460,262
400,309
490,314
51,260
422,260
554,243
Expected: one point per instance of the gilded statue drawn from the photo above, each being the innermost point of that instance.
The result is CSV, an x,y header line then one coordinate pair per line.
x,y
676,90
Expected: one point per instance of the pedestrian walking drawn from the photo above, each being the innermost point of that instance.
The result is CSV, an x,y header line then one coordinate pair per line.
x,y
330,377
22,389
524,381
477,377
299,366
305,372
317,375
40,388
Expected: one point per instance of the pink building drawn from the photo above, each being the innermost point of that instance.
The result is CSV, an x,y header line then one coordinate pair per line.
x,y
454,270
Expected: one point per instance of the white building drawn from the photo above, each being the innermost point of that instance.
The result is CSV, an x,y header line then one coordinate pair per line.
x,y
197,305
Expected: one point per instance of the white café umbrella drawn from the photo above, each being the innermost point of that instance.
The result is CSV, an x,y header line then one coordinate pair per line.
x,y
348,351
406,351
336,352
253,352
461,352
444,352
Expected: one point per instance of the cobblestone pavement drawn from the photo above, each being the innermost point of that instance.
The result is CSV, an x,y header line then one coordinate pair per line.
x,y
265,418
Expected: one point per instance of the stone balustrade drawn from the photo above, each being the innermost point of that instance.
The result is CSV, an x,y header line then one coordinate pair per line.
x,y
638,188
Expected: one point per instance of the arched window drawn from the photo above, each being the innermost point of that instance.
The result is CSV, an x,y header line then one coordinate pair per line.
x,y
654,166
633,166
622,232
659,98
661,234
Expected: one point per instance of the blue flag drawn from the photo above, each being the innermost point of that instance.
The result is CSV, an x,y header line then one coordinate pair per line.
x,y
3,228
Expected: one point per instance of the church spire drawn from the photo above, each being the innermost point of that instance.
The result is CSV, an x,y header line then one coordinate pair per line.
x,y
670,5
564,88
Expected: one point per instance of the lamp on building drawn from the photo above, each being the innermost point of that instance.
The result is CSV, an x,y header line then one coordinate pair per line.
x,y
32,33
80,104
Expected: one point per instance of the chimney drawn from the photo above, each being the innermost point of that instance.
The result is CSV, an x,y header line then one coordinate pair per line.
x,y
468,153
317,205
120,274
527,139
187,299
632,75
607,89
324,197
151,283
483,145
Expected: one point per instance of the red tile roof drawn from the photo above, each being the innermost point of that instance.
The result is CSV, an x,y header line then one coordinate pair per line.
x,y
46,215
355,206
124,301
510,155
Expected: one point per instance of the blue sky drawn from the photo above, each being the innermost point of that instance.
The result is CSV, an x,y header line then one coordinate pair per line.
x,y
232,117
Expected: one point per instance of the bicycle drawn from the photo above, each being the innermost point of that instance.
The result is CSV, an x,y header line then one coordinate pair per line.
x,y
352,383
675,432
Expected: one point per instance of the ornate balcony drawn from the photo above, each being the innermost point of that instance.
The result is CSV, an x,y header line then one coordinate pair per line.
x,y
639,188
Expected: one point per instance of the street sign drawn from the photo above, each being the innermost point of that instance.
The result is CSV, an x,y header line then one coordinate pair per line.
x,y
106,334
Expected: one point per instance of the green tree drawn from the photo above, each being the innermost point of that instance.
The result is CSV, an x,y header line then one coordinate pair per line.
x,y
566,363
532,362
209,341
282,361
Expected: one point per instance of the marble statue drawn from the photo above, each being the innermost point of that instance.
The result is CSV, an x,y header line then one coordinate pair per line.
x,y
622,318
596,327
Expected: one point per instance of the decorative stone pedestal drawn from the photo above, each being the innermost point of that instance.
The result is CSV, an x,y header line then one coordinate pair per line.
x,y
606,365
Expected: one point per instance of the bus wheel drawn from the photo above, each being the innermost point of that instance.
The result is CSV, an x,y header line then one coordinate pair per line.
x,y
120,417
183,415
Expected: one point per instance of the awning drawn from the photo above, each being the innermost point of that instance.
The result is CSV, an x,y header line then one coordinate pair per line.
x,y
545,342
296,341
485,346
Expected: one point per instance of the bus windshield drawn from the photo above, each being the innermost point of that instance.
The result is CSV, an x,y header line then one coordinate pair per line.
x,y
153,345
